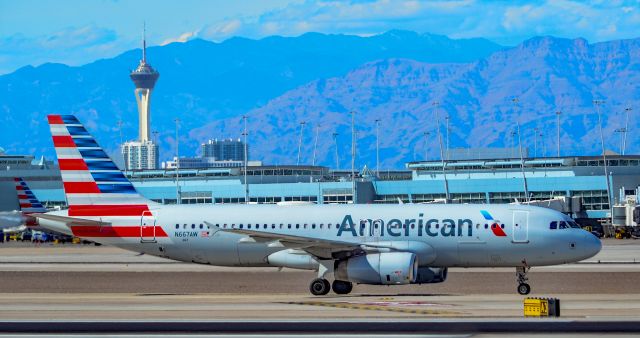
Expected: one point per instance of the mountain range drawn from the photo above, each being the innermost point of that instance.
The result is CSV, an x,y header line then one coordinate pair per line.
x,y
393,77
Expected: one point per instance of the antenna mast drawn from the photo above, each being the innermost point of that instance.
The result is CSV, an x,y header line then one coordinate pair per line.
x,y
144,42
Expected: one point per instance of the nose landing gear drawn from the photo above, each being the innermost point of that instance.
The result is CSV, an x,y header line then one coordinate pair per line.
x,y
521,276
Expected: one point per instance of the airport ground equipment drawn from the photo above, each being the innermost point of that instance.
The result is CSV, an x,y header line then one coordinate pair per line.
x,y
541,307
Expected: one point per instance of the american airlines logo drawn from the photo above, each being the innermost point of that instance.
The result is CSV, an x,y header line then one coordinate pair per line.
x,y
425,227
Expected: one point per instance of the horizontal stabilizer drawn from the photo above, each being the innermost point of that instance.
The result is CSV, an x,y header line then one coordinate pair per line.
x,y
71,221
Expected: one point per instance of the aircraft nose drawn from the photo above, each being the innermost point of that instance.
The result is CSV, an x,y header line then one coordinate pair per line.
x,y
590,244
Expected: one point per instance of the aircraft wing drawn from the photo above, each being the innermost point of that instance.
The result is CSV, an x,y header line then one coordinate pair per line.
x,y
70,221
319,247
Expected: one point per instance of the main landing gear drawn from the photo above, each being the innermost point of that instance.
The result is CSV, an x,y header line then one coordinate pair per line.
x,y
521,275
321,286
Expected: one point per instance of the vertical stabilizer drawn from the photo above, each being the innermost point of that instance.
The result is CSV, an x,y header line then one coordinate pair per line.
x,y
93,184
29,204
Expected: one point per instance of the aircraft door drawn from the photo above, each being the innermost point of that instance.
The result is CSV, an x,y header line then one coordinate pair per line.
x,y
147,227
520,226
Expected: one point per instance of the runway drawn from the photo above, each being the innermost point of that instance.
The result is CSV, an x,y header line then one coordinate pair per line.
x,y
83,284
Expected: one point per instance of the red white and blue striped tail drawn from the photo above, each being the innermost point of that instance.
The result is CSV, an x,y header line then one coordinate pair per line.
x,y
93,184
29,204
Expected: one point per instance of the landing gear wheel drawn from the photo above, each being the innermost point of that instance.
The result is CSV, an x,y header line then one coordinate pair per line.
x,y
524,289
342,287
521,277
319,287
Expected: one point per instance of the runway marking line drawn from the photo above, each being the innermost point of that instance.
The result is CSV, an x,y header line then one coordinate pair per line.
x,y
355,306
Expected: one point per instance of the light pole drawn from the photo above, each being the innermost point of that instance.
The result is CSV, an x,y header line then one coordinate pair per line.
x,y
622,131
335,143
524,176
377,148
535,142
177,121
513,143
598,103
446,118
353,155
315,144
426,145
246,159
300,141
558,133
442,159
626,129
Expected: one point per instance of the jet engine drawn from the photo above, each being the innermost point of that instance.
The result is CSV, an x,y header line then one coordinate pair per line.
x,y
379,268
428,275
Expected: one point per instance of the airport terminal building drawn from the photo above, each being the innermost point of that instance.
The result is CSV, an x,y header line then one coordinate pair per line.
x,y
579,180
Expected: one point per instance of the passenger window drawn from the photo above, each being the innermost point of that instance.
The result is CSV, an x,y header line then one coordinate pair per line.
x,y
193,226
502,226
184,226
289,226
201,226
177,226
320,225
305,225
313,226
248,226
486,226
297,226
240,226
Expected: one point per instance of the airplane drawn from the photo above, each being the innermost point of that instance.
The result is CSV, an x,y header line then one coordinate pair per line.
x,y
19,220
380,244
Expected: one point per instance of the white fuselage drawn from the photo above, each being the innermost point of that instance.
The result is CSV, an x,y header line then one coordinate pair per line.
x,y
441,235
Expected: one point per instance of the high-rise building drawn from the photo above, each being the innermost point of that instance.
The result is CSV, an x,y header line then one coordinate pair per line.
x,y
143,153
140,155
224,150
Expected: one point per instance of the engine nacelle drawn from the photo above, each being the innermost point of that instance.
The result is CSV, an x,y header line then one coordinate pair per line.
x,y
381,268
428,275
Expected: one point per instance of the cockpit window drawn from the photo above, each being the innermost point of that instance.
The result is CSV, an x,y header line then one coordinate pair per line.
x,y
574,225
553,225
563,225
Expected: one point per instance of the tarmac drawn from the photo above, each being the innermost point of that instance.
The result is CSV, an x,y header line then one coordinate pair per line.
x,y
84,285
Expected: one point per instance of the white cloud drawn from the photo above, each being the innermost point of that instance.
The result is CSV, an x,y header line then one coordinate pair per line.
x,y
222,30
72,45
184,37
506,22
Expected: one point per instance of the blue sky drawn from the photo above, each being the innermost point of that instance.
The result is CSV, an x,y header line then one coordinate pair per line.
x,y
75,32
